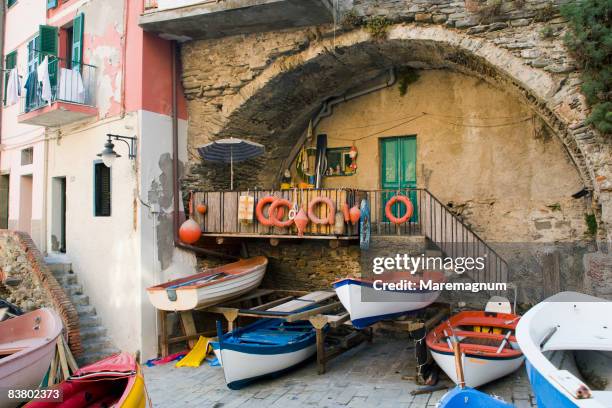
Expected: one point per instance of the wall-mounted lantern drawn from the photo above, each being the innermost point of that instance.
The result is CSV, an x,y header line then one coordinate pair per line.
x,y
109,154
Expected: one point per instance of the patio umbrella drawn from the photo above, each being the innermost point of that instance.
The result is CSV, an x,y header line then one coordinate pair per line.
x,y
230,151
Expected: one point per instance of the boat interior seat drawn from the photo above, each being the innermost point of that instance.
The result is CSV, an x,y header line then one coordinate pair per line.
x,y
577,340
603,397
481,335
16,346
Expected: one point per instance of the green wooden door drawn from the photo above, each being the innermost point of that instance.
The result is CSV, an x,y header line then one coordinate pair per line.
x,y
398,161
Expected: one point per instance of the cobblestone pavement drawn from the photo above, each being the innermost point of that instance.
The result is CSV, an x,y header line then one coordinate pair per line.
x,y
368,376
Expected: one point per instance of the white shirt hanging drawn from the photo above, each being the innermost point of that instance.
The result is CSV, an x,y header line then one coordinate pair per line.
x,y
13,88
70,87
43,77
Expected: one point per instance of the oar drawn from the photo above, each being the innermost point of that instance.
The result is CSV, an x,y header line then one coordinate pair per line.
x,y
504,341
458,365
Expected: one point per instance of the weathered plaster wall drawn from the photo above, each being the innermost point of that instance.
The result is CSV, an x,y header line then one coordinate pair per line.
x,y
478,148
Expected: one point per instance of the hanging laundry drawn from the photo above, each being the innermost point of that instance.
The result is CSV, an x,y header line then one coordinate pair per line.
x,y
43,77
70,87
31,89
13,88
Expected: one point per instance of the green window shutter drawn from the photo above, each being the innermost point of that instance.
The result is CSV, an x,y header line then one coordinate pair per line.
x,y
51,4
77,41
48,41
9,3
102,190
10,62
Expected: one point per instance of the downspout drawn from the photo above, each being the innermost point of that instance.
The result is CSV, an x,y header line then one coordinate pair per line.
x,y
327,110
3,34
175,169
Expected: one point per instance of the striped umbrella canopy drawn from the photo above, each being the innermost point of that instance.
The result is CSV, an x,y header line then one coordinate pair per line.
x,y
230,151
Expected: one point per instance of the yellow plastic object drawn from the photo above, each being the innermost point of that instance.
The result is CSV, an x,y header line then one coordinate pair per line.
x,y
285,186
197,354
137,396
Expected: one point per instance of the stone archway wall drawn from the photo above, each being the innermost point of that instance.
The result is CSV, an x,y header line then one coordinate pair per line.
x,y
267,86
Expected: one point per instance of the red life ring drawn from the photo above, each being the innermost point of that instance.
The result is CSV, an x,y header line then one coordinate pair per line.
x,y
405,217
332,211
273,209
259,211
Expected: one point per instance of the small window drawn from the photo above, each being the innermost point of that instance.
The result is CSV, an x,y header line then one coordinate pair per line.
x,y
27,156
10,3
339,162
33,54
102,190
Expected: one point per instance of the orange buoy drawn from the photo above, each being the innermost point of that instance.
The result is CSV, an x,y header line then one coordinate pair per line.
x,y
201,208
331,207
355,214
272,213
190,232
346,213
406,216
301,221
263,220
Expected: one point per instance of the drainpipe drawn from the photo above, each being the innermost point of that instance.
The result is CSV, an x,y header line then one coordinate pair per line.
x,y
327,110
175,170
2,35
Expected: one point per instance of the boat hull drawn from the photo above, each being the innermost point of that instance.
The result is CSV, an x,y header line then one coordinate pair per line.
x,y
477,370
352,293
242,369
565,323
199,296
458,398
26,368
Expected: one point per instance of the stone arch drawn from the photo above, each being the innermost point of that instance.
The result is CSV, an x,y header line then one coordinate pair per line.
x,y
274,108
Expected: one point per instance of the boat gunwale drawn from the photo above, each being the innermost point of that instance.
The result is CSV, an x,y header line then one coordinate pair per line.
x,y
256,267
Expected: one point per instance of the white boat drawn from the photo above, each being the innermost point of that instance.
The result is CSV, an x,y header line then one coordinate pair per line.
x,y
266,348
27,344
487,343
567,341
209,287
367,304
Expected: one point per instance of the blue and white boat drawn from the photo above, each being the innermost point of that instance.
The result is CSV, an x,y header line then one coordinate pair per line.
x,y
367,303
567,342
266,348
470,398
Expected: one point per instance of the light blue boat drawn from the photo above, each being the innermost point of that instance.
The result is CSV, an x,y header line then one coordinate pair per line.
x,y
470,398
264,349
567,343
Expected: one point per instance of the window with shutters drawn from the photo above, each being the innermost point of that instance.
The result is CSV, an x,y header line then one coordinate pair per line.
x,y
33,54
76,49
9,3
10,62
27,156
102,190
51,4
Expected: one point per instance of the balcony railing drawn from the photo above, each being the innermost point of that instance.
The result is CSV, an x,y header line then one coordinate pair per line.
x,y
70,83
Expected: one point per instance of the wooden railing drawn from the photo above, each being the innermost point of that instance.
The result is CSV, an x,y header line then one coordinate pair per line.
x,y
430,218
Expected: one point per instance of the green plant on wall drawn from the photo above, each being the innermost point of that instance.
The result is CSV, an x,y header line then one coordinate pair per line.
x,y
377,27
590,39
405,77
591,222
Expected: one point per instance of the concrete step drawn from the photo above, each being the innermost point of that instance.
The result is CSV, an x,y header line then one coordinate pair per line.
x,y
94,332
97,343
74,289
93,356
87,321
80,300
86,310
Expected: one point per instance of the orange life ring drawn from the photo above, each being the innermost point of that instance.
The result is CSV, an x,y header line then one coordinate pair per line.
x,y
405,217
259,211
273,209
332,211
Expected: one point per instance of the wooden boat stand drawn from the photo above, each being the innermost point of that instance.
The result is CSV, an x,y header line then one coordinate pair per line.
x,y
325,310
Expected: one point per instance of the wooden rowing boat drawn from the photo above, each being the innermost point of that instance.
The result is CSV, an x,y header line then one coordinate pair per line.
x,y
115,381
266,348
27,344
209,287
487,343
367,303
567,341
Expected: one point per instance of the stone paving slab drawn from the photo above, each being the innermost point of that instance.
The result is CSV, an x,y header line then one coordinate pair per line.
x,y
368,376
